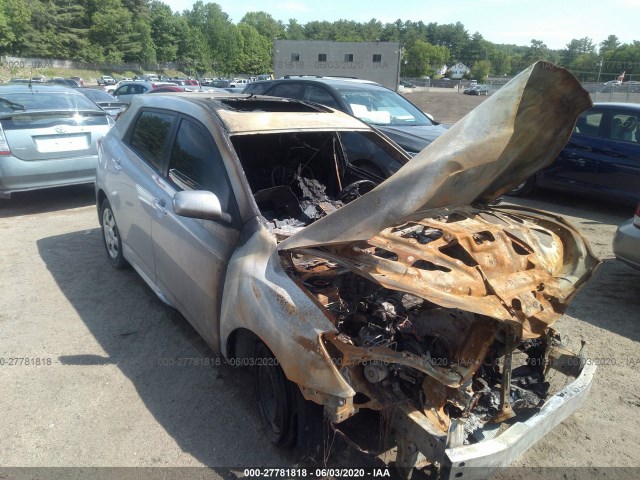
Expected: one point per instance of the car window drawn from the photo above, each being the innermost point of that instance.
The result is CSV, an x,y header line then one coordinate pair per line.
x,y
196,164
45,101
289,90
150,135
588,123
320,95
382,107
364,150
624,127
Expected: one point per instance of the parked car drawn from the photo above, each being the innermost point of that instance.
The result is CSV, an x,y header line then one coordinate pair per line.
x,y
127,90
260,219
106,80
478,90
626,243
107,102
63,81
48,137
79,80
602,156
385,109
184,88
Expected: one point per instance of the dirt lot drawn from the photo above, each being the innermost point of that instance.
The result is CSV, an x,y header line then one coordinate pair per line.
x,y
97,392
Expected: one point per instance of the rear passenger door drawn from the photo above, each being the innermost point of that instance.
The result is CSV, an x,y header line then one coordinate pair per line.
x,y
191,255
619,155
577,164
134,182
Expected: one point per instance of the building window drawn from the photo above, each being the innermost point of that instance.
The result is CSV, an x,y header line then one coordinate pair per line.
x,y
322,57
348,57
295,57
377,58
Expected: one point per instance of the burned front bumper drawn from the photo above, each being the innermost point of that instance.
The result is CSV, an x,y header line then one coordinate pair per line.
x,y
418,442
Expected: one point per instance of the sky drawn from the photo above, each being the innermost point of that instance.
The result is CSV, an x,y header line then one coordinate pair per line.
x,y
555,22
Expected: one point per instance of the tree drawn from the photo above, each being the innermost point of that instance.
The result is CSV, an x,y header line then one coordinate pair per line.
x,y
264,24
164,31
424,59
111,25
609,46
576,48
480,70
294,31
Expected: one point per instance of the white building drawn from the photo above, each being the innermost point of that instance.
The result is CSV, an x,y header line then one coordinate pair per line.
x,y
458,70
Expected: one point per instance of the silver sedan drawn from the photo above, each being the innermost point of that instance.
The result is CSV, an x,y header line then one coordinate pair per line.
x,y
48,137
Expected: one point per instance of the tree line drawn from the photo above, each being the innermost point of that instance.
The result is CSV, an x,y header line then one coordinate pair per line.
x,y
206,40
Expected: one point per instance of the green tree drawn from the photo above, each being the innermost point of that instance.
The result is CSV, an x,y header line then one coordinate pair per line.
x,y
294,31
480,70
264,24
111,25
423,59
164,31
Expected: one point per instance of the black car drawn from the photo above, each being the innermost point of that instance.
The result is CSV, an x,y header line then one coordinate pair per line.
x,y
372,103
601,158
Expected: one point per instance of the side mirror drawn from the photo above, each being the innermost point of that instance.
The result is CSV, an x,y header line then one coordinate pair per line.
x,y
199,204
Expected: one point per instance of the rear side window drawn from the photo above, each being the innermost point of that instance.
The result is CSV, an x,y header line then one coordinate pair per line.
x,y
149,137
256,88
322,96
625,127
289,90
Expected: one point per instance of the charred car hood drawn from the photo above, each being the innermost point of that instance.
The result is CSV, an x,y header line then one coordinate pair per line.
x,y
506,139
427,230
413,139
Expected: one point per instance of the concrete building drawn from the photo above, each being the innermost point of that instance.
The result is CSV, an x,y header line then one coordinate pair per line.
x,y
377,61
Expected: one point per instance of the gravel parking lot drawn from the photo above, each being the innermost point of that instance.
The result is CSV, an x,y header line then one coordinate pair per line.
x,y
95,387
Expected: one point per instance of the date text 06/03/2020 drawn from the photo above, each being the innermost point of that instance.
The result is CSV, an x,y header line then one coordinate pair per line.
x,y
296,473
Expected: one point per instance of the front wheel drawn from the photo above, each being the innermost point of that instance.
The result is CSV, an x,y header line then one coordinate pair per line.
x,y
525,188
111,236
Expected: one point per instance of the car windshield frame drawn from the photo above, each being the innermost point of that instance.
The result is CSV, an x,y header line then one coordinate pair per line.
x,y
382,108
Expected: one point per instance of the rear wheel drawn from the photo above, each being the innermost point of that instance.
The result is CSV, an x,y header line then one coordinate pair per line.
x,y
111,236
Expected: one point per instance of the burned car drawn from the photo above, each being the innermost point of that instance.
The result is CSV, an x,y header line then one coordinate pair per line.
x,y
297,239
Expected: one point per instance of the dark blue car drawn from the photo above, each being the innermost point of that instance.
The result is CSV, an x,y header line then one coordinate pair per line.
x,y
601,158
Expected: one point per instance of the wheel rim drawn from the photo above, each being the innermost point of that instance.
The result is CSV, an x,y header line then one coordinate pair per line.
x,y
110,231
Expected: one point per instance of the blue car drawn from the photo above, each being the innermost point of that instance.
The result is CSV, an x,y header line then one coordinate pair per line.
x,y
601,158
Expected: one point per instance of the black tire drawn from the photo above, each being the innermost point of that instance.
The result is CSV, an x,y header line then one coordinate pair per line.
x,y
111,236
289,420
525,188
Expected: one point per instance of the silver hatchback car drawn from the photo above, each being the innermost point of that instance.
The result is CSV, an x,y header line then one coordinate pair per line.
x,y
48,137
279,229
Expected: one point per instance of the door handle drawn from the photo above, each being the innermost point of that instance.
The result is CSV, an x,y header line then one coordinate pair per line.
x,y
117,163
159,205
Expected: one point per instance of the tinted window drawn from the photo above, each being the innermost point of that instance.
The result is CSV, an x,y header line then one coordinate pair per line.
x,y
624,127
150,135
289,90
367,151
196,164
589,123
321,95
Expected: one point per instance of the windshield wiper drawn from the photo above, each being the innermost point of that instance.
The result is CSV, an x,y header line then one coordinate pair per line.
x,y
12,105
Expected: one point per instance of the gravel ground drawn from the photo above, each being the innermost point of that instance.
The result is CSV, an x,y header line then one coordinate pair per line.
x,y
97,391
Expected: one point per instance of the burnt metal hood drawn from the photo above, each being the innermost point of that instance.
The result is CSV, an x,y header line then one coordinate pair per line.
x,y
506,139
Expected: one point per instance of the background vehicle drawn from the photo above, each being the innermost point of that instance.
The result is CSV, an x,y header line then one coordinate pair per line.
x,y
385,109
126,90
69,82
48,137
107,102
626,243
106,80
601,158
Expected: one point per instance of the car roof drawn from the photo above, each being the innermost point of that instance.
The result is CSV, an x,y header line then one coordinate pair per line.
x,y
337,82
256,113
617,105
